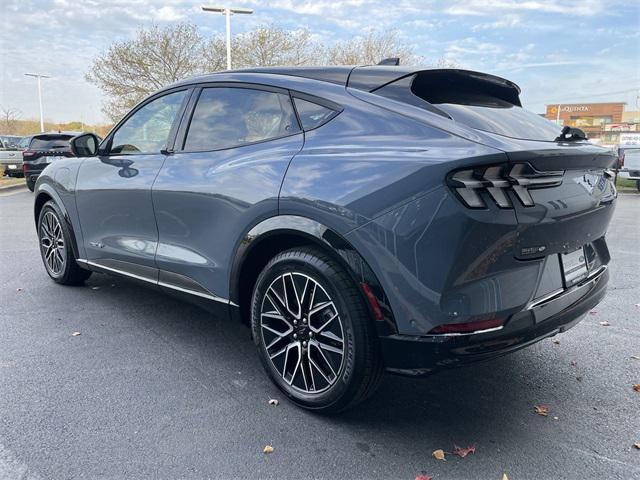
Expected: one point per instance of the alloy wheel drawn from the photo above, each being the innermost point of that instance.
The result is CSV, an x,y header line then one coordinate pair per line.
x,y
302,332
52,243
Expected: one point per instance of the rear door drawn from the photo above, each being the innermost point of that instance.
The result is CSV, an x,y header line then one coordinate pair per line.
x,y
230,157
114,188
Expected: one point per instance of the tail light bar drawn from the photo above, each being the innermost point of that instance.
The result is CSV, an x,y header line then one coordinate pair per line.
x,y
467,328
498,180
28,153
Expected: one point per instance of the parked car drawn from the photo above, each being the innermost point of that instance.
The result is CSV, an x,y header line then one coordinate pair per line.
x,y
10,159
10,141
358,219
43,149
629,163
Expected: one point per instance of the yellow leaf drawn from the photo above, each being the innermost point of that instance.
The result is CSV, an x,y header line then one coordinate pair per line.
x,y
268,449
438,454
636,445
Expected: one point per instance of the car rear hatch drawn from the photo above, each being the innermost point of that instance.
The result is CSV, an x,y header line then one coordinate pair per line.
x,y
44,149
556,182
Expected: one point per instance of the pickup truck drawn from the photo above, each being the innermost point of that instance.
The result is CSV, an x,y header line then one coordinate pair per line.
x,y
10,160
629,163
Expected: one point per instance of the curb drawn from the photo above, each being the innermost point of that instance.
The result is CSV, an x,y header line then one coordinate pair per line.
x,y
8,188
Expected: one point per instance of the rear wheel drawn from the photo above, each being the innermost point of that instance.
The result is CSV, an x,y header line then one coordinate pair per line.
x,y
55,247
31,185
313,331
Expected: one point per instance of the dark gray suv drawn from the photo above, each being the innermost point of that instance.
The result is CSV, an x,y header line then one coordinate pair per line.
x,y
359,219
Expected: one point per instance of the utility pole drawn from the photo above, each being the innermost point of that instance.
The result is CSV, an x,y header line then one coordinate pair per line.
x,y
227,11
39,77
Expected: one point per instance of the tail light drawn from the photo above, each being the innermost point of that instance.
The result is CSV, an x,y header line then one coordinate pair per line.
x,y
468,327
498,180
621,160
28,153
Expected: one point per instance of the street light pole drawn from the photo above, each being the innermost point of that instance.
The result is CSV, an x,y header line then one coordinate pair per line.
x,y
227,12
39,77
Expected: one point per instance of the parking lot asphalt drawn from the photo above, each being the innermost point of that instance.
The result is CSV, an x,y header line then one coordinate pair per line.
x,y
156,388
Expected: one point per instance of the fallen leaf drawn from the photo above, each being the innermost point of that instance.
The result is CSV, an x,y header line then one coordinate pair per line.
x,y
75,334
593,312
463,452
557,342
504,477
541,410
605,323
555,418
636,387
573,363
636,445
579,378
635,357
638,305
439,454
268,449
423,476
273,401
18,289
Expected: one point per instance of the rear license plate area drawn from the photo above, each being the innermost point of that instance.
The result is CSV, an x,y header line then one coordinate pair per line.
x,y
574,267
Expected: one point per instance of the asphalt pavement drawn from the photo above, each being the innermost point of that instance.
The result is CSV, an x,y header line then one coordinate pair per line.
x,y
156,388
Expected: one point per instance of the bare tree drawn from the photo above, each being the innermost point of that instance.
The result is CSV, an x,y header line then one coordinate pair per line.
x,y
370,49
269,46
130,70
10,117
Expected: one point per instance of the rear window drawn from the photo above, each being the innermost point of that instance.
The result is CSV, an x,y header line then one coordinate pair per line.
x,y
482,102
50,142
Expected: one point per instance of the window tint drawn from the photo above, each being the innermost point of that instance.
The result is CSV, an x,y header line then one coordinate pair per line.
x,y
147,130
50,142
311,114
228,117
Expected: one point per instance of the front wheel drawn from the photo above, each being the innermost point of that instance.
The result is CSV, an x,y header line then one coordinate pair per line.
x,y
55,247
314,334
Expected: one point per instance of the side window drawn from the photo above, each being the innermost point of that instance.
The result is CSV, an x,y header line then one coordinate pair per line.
x,y
147,130
227,117
311,114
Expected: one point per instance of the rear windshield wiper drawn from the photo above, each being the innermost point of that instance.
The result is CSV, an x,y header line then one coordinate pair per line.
x,y
570,134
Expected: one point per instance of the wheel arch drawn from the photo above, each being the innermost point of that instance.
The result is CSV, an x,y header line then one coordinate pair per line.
x,y
280,233
46,193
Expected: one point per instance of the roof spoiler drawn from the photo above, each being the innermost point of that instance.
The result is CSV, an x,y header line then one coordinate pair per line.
x,y
393,61
375,77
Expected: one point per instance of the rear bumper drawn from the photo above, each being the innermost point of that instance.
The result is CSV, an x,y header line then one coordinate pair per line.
x,y
422,355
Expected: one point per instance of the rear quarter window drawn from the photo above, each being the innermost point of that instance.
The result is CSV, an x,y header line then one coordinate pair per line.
x,y
311,114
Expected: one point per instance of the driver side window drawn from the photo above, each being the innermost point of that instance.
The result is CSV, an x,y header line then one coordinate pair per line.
x,y
147,130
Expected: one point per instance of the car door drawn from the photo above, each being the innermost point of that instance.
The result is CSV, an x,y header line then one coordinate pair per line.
x,y
114,189
231,154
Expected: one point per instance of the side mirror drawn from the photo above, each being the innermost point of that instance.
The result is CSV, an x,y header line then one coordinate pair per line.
x,y
85,145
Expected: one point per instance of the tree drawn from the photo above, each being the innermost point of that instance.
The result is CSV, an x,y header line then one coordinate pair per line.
x,y
370,49
10,117
130,70
270,46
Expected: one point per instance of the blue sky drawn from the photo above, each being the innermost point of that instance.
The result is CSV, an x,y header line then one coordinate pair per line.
x,y
556,50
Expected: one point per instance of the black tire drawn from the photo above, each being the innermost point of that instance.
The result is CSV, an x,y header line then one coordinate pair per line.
x,y
350,378
55,243
31,185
